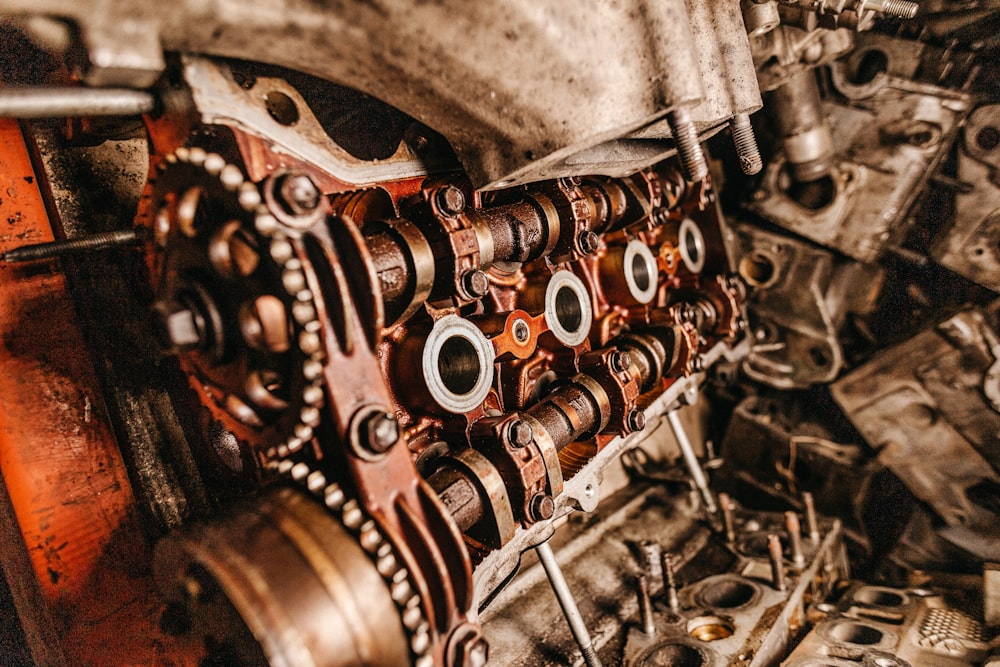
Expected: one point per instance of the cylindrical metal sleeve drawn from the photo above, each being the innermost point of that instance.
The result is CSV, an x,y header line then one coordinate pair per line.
x,y
459,496
567,414
391,266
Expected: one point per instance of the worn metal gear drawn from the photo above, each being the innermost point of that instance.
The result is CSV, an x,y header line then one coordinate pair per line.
x,y
233,302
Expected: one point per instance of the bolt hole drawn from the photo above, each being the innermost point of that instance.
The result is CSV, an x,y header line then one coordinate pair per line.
x,y
988,138
872,63
758,270
281,107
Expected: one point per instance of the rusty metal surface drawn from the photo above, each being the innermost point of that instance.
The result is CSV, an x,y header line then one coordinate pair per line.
x,y
922,406
59,459
559,103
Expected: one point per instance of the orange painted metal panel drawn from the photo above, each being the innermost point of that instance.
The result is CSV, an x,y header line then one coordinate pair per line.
x,y
58,456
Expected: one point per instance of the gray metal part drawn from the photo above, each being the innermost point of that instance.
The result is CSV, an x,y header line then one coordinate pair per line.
x,y
970,245
914,628
881,171
920,404
519,87
800,308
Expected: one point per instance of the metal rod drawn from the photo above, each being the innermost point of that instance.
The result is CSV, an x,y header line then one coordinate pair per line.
x,y
568,604
777,558
645,605
60,102
811,524
694,466
728,519
670,584
794,530
74,246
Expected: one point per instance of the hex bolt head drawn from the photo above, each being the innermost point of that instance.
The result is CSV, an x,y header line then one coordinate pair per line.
x,y
473,653
379,431
299,194
635,420
541,507
475,284
587,241
450,200
620,361
520,433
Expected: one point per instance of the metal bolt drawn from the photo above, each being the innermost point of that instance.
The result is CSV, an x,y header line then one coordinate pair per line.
x,y
521,331
774,554
475,284
379,432
450,200
541,507
635,420
901,9
653,555
670,583
645,605
746,144
811,523
75,246
520,433
587,241
794,529
299,194
474,653
689,151
728,520
181,329
620,361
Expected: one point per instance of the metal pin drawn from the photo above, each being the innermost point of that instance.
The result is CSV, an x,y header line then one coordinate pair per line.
x,y
74,246
652,555
811,523
689,150
728,520
776,557
746,144
645,605
60,102
568,604
694,467
670,583
794,529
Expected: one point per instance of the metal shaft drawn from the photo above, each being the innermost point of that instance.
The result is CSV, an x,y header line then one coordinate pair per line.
x,y
568,604
652,556
794,530
689,150
75,246
811,524
746,144
694,466
728,519
670,584
777,558
645,605
56,102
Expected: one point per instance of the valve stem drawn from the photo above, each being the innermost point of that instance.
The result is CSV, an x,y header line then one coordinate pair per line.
x,y
670,584
811,524
776,557
645,605
74,246
794,530
728,520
